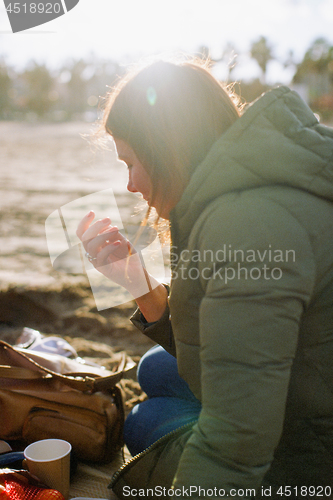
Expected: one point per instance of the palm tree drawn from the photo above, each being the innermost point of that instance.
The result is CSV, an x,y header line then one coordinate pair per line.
x,y
262,53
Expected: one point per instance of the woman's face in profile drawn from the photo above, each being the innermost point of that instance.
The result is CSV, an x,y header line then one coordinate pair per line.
x,y
139,180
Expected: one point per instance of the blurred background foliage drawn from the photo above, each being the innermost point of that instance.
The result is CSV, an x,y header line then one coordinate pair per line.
x,y
75,90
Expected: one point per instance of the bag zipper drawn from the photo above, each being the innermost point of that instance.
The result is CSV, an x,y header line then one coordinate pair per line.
x,y
166,437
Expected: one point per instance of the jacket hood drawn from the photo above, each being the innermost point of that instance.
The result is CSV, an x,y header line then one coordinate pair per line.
x,y
277,141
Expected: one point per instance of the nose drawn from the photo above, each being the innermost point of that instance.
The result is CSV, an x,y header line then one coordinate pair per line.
x,y
130,185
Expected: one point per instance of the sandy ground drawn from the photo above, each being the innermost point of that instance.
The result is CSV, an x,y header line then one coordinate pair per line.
x,y
44,167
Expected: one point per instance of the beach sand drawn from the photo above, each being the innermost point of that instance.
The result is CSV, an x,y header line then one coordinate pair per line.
x,y
45,166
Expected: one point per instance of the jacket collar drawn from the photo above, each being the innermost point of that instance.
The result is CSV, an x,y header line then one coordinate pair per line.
x,y
277,140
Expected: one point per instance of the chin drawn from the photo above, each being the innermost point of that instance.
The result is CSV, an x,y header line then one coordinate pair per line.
x,y
164,214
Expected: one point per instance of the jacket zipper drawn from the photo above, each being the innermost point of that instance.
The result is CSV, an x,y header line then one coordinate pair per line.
x,y
166,437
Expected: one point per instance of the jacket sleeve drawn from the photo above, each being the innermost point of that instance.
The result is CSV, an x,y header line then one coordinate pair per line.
x,y
159,331
248,338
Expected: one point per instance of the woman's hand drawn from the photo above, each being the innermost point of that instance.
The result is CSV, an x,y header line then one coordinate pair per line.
x,y
113,255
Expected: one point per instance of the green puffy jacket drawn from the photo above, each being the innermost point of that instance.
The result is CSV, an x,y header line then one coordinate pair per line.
x,y
251,304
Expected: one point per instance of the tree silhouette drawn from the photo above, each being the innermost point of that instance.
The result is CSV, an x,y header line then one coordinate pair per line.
x,y
228,57
315,72
85,81
262,53
38,84
5,87
76,89
318,59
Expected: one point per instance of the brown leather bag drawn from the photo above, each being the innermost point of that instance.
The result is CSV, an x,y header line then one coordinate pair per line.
x,y
37,402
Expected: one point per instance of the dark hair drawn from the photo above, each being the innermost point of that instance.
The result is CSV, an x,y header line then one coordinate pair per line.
x,y
170,114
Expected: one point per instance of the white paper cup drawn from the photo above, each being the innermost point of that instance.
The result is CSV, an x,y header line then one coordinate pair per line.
x,y
49,460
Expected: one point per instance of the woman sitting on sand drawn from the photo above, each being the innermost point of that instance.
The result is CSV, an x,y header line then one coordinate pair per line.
x,y
245,332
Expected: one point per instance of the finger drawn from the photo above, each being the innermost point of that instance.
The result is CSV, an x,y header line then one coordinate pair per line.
x,y
109,251
84,224
96,228
123,250
108,236
112,252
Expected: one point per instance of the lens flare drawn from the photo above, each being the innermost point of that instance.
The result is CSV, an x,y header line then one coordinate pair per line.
x,y
151,96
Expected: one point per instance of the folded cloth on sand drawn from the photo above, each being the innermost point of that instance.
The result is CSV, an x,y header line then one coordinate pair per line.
x,y
33,339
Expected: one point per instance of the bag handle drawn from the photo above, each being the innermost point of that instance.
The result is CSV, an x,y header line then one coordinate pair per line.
x,y
79,381
7,371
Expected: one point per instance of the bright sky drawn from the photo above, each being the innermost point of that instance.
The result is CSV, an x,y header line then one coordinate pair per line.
x,y
120,28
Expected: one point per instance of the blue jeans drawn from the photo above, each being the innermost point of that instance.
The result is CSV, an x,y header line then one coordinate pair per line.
x,y
170,405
